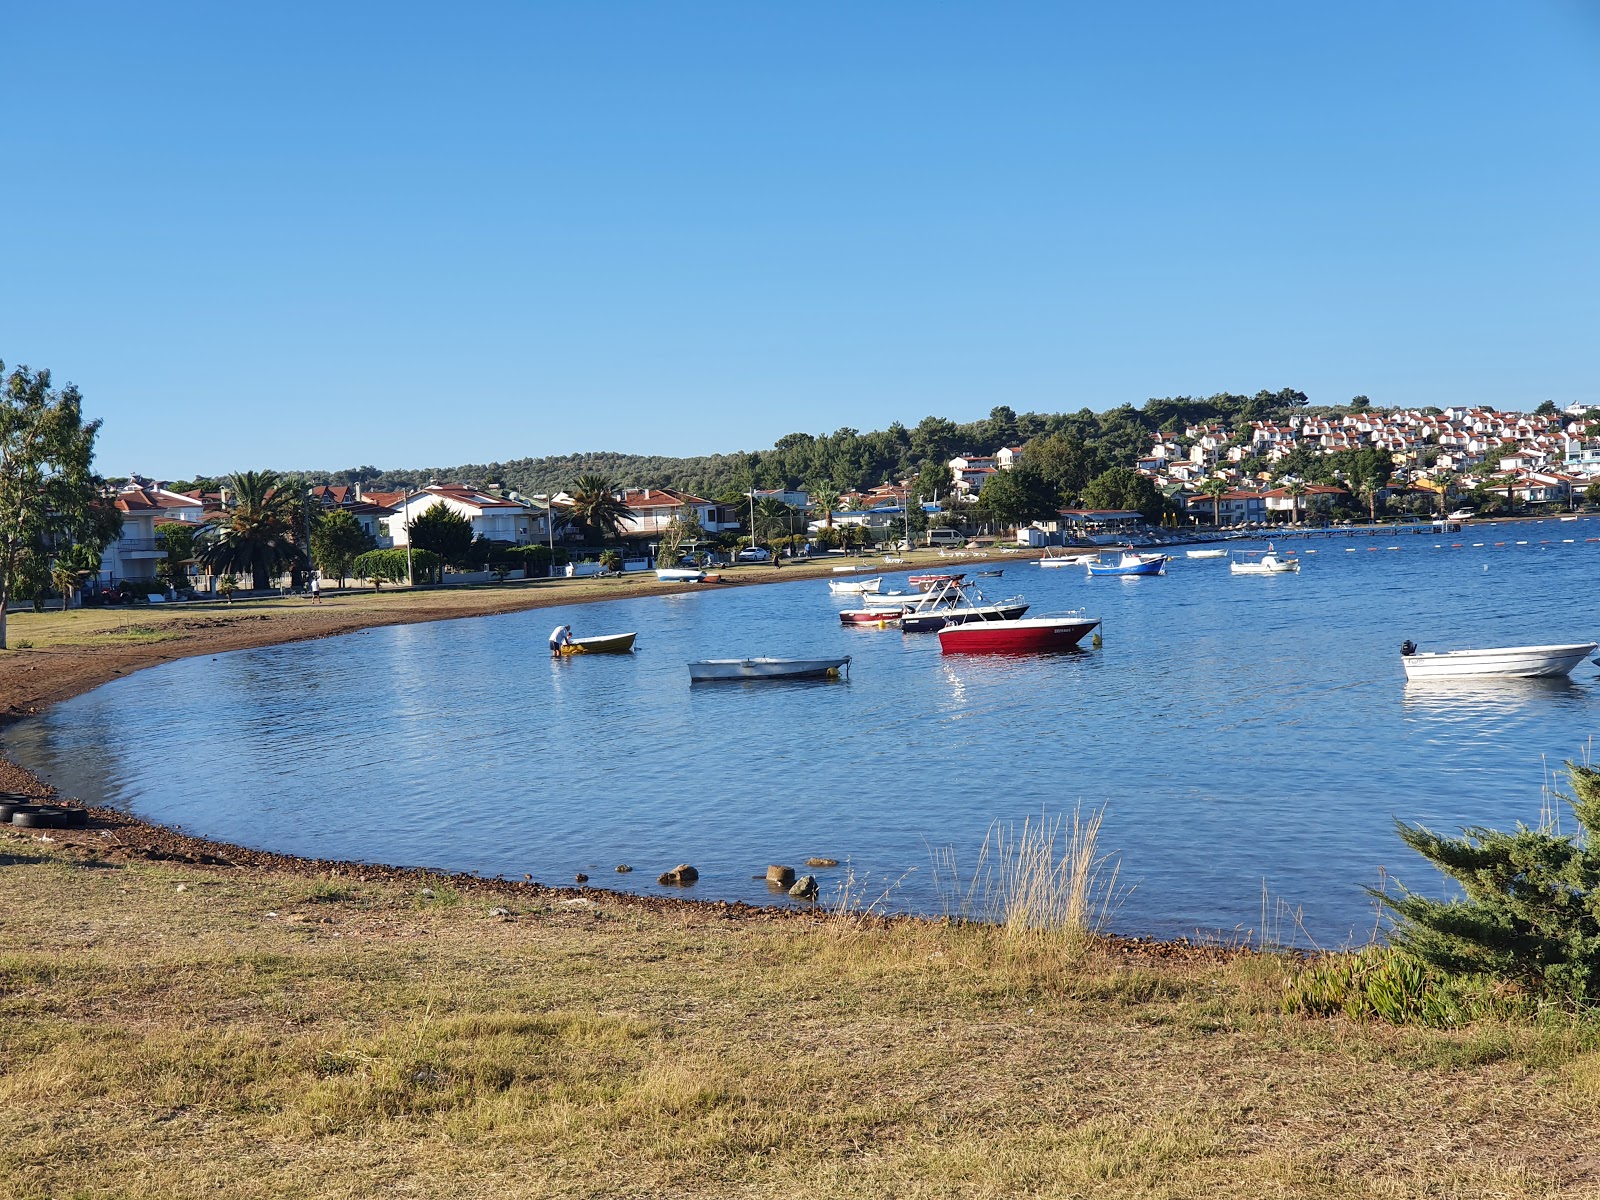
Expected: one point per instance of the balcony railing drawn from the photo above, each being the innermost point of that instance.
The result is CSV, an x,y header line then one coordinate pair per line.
x,y
133,544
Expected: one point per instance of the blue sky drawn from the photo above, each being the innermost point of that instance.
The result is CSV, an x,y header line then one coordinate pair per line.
x,y
317,235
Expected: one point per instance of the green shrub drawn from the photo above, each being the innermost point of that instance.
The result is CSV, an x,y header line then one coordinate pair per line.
x,y
1388,984
390,566
1531,915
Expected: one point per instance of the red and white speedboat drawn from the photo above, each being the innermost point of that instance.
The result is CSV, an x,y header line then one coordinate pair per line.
x,y
1028,635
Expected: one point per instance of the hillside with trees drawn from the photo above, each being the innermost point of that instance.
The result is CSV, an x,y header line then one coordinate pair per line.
x,y
1069,450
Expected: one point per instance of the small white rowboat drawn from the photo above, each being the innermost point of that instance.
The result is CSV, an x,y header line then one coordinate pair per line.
x,y
715,669
854,587
1511,662
1205,554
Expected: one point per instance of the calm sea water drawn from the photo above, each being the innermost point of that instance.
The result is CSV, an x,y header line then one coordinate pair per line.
x,y
1247,736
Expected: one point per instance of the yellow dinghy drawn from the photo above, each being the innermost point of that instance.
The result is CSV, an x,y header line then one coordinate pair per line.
x,y
611,643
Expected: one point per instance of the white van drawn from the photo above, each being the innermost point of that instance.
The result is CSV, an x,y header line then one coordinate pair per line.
x,y
946,537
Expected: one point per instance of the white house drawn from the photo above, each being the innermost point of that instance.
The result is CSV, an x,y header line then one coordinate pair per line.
x,y
655,508
137,554
498,518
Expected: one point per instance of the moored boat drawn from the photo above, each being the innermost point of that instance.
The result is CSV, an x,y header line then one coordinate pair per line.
x,y
1262,562
1511,662
854,587
1061,558
1130,562
610,643
934,620
1028,635
1205,554
929,583
713,670
872,616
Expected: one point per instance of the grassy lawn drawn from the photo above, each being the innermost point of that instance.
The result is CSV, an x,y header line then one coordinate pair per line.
x,y
179,1031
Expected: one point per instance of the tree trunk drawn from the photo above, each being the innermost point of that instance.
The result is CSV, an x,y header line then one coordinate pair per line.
x,y
259,580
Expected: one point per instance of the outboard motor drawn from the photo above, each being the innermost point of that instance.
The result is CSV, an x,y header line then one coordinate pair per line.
x,y
1407,648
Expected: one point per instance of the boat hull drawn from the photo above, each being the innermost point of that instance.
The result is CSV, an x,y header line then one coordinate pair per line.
x,y
1031,636
1205,554
717,670
1147,568
933,622
870,616
853,587
1507,662
679,575
615,643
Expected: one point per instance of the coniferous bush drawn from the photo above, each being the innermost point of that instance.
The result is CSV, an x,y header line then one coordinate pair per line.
x,y
1531,914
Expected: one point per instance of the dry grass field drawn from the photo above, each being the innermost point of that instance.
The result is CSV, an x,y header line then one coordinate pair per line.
x,y
181,1030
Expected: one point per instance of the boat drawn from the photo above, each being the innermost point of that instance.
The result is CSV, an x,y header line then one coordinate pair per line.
x,y
872,616
1566,518
712,670
1263,562
1029,635
853,569
894,599
610,643
1462,514
854,587
1130,562
680,574
991,574
929,583
1511,662
1063,559
1205,554
934,619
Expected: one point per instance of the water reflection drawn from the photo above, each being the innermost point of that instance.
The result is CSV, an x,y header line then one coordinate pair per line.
x,y
1240,736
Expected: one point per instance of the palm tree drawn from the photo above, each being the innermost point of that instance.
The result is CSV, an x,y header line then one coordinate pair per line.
x,y
1215,488
1440,482
772,519
71,567
1294,490
826,497
596,507
256,535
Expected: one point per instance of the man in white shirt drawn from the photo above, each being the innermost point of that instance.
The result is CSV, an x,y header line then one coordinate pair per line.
x,y
561,636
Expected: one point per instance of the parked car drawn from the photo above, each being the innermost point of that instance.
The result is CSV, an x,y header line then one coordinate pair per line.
x,y
755,554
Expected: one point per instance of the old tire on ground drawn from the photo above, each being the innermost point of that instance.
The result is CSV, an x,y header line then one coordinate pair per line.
x,y
7,811
39,818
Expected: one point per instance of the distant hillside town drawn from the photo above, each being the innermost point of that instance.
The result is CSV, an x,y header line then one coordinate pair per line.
x,y
1208,464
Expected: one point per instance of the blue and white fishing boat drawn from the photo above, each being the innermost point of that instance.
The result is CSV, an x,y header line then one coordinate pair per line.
x,y
1130,562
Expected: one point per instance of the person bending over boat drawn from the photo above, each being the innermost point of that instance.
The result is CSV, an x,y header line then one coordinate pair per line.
x,y
559,637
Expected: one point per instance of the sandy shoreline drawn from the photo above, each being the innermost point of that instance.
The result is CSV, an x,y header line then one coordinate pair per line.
x,y
33,679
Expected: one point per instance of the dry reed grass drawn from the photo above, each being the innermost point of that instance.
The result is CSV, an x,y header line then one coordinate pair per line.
x,y
184,1043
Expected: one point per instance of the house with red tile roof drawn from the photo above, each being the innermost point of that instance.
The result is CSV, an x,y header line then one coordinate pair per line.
x,y
655,508
137,554
498,518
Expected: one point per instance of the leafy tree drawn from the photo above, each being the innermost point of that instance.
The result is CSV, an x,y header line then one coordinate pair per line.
x,y
933,481
683,530
1016,497
1591,494
337,540
1359,404
1547,408
390,566
1367,472
178,539
596,507
254,536
443,531
47,490
1532,907
1125,488
1065,462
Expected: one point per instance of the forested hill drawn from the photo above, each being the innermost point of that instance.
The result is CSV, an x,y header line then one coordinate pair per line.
x,y
848,458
